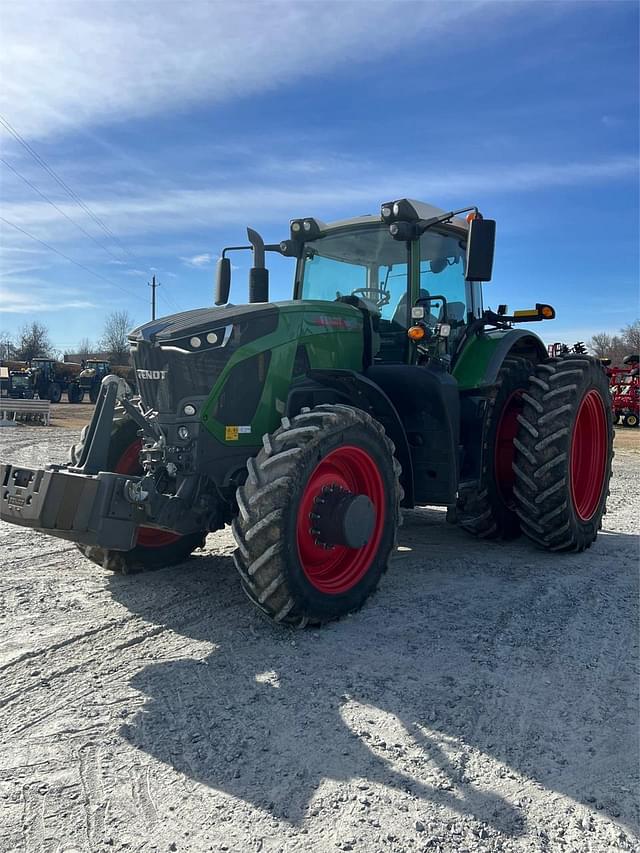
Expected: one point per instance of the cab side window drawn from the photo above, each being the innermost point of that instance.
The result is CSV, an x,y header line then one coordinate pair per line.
x,y
443,289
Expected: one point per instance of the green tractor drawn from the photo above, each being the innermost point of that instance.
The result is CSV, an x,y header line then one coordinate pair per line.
x,y
309,424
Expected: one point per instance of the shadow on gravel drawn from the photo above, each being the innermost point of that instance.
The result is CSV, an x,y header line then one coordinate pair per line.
x,y
450,670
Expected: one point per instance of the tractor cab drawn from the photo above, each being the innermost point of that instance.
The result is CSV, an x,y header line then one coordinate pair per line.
x,y
413,272
95,367
397,282
46,365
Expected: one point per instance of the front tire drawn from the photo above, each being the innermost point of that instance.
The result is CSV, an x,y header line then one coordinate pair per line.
x,y
630,419
75,394
564,451
325,477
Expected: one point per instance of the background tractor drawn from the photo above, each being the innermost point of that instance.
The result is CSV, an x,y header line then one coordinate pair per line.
x,y
89,379
308,424
45,378
93,372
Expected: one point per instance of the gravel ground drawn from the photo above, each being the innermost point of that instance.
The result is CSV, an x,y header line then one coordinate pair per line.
x,y
486,699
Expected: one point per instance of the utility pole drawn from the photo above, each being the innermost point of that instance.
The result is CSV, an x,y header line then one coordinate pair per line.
x,y
153,286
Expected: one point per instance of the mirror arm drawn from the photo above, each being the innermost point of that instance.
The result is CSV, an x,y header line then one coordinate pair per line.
x,y
505,320
423,224
269,247
234,249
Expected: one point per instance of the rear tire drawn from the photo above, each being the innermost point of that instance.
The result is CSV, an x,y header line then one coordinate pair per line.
x,y
156,549
286,572
487,509
564,451
54,392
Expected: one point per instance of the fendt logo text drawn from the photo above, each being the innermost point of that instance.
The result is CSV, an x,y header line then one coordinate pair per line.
x,y
151,374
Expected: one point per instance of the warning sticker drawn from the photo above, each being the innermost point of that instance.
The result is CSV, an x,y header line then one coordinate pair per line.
x,y
231,433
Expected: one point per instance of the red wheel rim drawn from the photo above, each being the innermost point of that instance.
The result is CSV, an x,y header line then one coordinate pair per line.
x,y
588,455
504,447
337,570
148,537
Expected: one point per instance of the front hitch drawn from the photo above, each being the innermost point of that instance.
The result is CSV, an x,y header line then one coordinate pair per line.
x,y
87,504
103,509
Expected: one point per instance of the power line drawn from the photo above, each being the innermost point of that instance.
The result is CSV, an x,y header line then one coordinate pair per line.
x,y
59,209
170,301
71,260
73,195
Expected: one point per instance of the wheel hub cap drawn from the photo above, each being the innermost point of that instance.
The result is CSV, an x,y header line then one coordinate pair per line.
x,y
342,518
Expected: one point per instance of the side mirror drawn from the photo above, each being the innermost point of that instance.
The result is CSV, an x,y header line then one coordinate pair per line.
x,y
480,246
223,281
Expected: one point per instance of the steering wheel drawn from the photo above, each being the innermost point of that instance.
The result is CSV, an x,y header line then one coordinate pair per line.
x,y
373,294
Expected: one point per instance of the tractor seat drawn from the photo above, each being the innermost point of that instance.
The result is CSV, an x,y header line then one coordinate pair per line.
x,y
455,313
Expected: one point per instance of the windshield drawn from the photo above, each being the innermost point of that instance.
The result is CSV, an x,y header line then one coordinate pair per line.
x,y
365,262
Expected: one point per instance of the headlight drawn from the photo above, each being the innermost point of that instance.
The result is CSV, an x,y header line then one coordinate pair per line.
x,y
189,410
195,342
183,433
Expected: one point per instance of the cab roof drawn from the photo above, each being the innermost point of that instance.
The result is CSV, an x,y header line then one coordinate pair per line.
x,y
422,211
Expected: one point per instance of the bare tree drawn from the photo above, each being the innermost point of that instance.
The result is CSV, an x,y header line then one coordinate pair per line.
x,y
631,337
600,344
7,346
33,342
615,347
85,347
114,336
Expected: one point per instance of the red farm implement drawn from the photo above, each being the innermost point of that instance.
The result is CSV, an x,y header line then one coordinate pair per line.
x,y
625,391
624,382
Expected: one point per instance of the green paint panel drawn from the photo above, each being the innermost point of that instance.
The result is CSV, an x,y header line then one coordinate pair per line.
x,y
332,335
471,368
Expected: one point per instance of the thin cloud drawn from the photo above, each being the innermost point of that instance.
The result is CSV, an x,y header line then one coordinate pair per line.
x,y
16,302
198,261
150,212
58,76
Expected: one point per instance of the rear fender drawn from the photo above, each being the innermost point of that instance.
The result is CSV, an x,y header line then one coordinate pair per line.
x,y
481,359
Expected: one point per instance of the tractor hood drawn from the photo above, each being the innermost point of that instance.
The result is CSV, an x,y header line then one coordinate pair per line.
x,y
184,354
177,327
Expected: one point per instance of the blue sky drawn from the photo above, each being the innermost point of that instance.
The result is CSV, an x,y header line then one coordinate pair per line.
x,y
180,123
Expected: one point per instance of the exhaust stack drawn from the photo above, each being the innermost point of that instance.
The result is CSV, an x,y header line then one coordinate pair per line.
x,y
258,274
